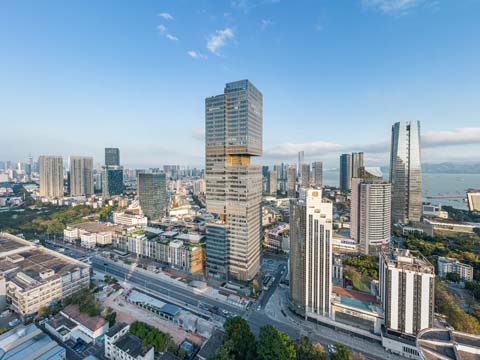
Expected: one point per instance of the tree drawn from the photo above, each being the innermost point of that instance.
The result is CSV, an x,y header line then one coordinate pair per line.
x,y
274,345
243,341
225,352
341,352
453,276
307,351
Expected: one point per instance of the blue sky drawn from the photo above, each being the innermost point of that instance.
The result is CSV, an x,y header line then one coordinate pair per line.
x,y
82,75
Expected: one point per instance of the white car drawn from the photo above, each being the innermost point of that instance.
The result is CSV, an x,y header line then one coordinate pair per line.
x,y
259,307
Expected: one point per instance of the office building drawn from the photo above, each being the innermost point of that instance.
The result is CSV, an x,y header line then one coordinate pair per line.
x,y
473,198
112,157
199,187
317,174
51,176
450,265
301,160
152,194
311,254
81,176
305,176
357,164
370,217
35,277
112,181
272,182
291,175
406,287
406,172
234,185
345,172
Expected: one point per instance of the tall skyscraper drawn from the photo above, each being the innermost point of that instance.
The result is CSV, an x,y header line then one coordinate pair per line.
x,y
301,160
291,175
345,172
81,176
305,176
151,195
370,214
234,186
406,172
357,164
272,182
112,157
406,287
112,181
51,176
311,254
317,174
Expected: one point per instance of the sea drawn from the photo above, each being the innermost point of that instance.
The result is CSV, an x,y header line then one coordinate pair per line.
x,y
454,185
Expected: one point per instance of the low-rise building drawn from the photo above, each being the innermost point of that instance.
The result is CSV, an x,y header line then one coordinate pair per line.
x,y
442,225
92,233
130,219
449,265
34,277
434,211
121,344
278,238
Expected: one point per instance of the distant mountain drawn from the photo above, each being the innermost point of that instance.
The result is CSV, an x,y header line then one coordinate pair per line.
x,y
451,168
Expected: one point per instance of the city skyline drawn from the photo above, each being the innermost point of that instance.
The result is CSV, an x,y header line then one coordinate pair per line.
x,y
133,76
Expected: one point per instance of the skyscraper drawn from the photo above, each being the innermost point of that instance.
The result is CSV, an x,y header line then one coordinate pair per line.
x,y
370,214
311,254
357,164
345,172
272,182
112,157
317,173
291,175
234,186
151,195
112,181
81,176
301,157
51,176
305,176
406,172
406,287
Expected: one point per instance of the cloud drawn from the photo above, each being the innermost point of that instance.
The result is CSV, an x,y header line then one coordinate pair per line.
x,y
171,37
162,29
461,136
265,23
247,5
218,40
393,7
166,16
311,148
198,134
196,54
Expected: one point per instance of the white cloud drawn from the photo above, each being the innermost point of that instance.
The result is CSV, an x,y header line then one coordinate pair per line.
x,y
161,28
393,7
219,39
461,136
166,16
171,37
247,5
265,23
196,54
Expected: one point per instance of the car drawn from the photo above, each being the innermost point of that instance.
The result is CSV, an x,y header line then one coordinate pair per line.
x,y
259,307
14,322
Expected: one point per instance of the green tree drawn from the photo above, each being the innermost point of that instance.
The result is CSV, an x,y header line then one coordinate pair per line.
x,y
225,352
307,351
341,353
453,276
274,345
238,332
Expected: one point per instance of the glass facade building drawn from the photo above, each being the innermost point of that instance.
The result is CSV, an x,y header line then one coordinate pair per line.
x,y
112,157
112,181
345,172
151,190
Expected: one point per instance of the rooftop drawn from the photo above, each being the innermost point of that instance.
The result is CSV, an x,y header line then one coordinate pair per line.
x,y
448,344
92,323
404,260
97,227
132,345
210,347
116,329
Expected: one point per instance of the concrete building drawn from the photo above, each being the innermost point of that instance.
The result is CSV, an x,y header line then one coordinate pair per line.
x,y
446,344
29,343
151,194
370,218
357,164
305,176
311,254
129,219
199,187
317,174
473,198
35,276
51,176
301,161
406,172
92,233
81,176
121,344
272,182
234,186
345,172
277,238
112,157
449,265
406,288
434,211
291,175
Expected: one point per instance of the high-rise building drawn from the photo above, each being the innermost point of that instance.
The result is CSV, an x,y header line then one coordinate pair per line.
x,y
272,182
112,181
112,157
81,176
152,194
291,175
345,172
301,159
305,176
311,254
317,174
406,172
51,176
357,164
370,214
406,287
473,197
234,186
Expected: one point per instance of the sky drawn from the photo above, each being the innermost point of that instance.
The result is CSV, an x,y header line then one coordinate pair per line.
x,y
78,76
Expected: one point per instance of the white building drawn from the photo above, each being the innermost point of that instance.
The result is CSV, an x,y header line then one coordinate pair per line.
x,y
121,344
122,218
51,176
199,187
449,265
434,211
81,176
